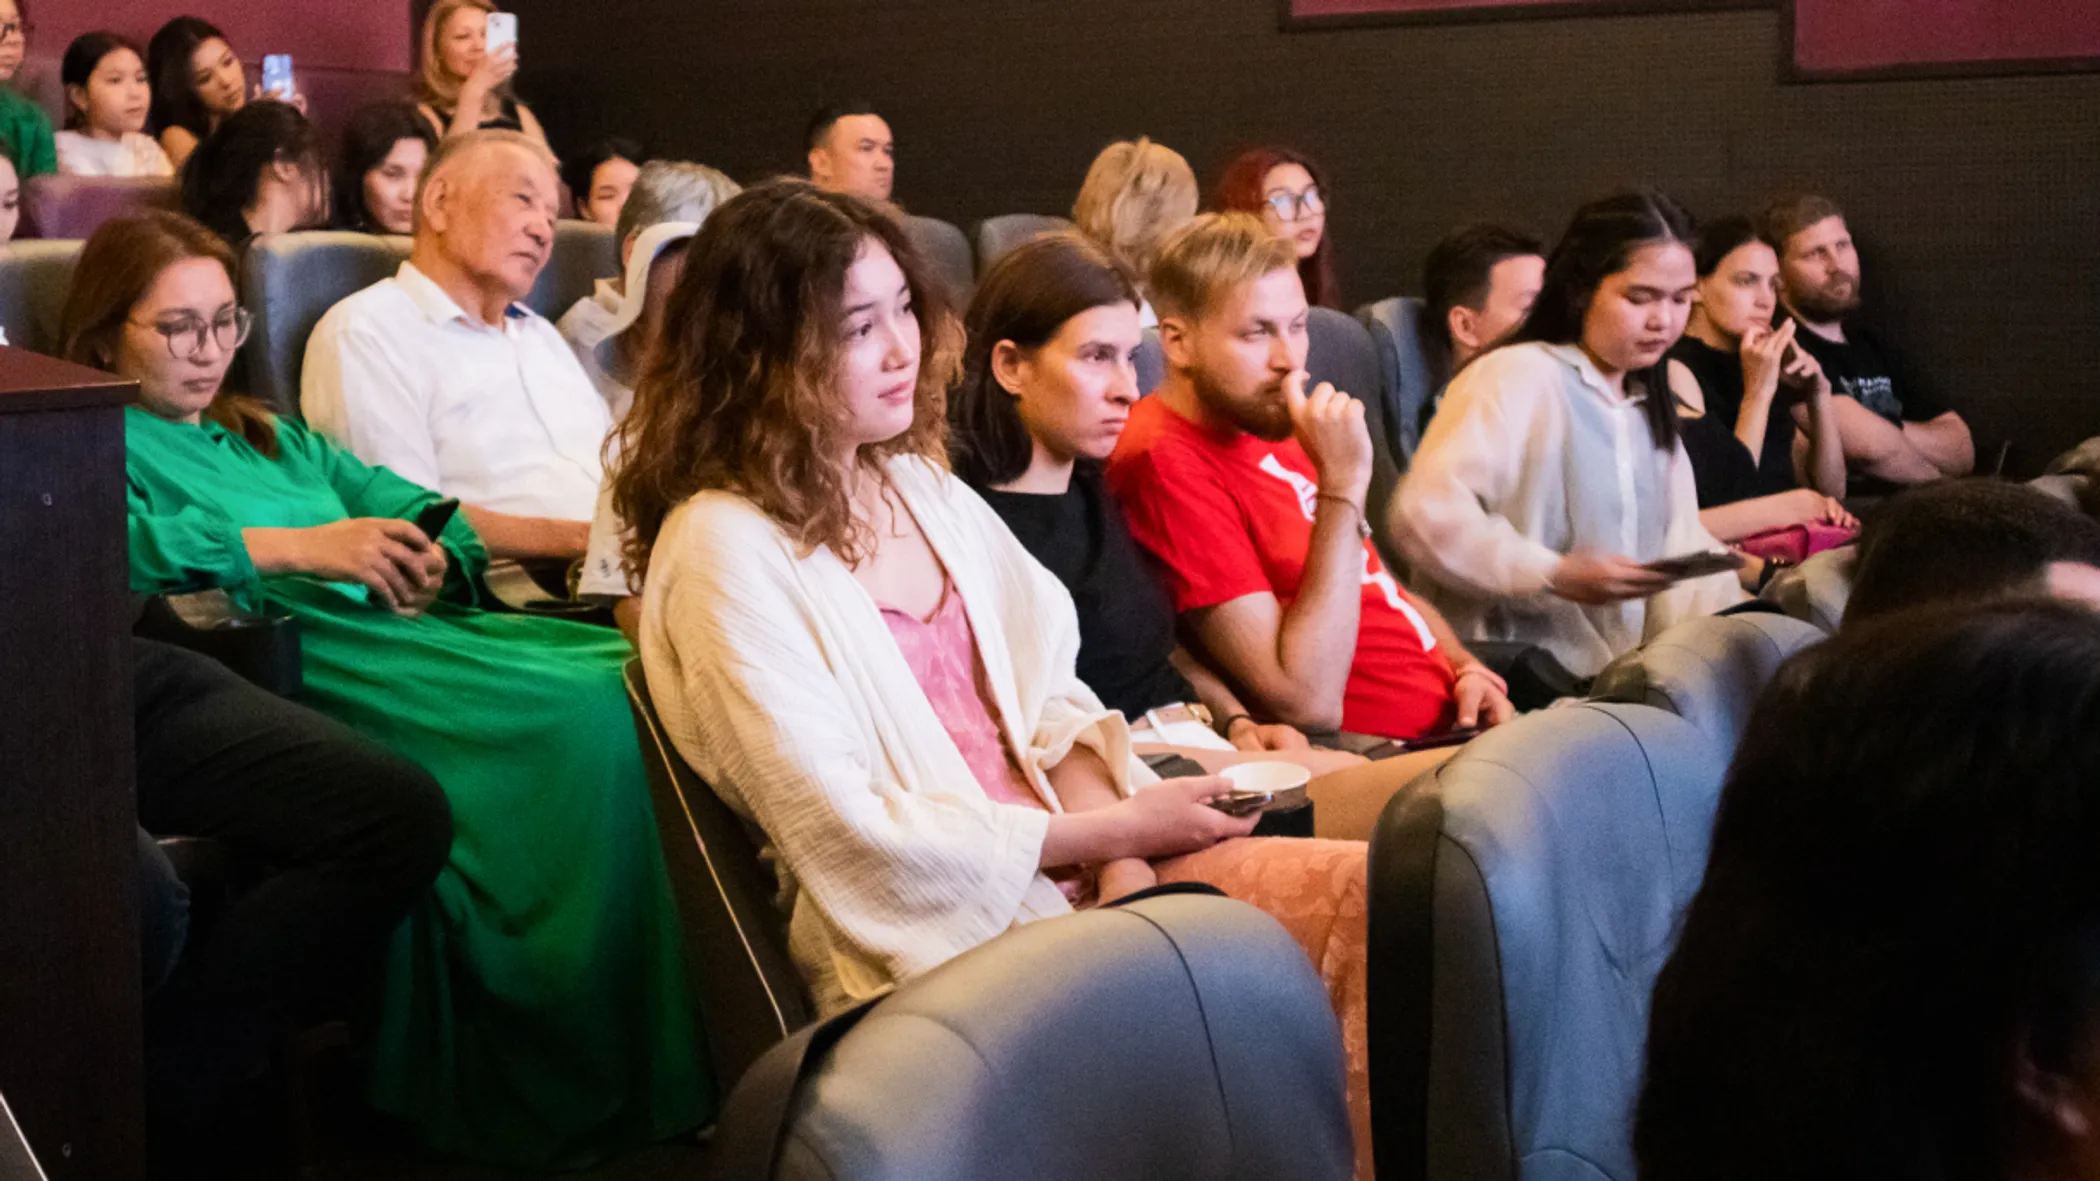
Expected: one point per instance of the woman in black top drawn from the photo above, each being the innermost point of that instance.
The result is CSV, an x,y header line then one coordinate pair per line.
x,y
1048,381
1742,391
462,87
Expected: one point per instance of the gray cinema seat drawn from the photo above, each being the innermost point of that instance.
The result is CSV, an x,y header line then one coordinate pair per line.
x,y
1341,351
288,282
1523,897
1708,671
947,251
34,277
1396,324
1817,590
1179,1038
997,235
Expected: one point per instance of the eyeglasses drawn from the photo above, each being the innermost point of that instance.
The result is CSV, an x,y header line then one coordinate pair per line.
x,y
1289,206
230,329
14,29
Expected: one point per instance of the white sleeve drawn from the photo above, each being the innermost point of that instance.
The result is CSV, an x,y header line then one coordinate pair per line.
x,y
1471,458
356,392
908,878
604,569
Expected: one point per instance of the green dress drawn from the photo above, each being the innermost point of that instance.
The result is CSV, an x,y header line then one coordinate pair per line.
x,y
535,1009
27,132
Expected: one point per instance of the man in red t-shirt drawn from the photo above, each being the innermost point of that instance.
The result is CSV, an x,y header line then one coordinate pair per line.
x,y
1249,494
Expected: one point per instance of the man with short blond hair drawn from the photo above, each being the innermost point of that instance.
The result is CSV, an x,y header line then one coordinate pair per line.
x,y
1248,491
441,374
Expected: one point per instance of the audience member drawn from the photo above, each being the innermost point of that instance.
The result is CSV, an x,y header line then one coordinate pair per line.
x,y
443,377
10,195
1134,195
385,146
197,82
1553,473
535,1009
1249,493
1894,429
1892,968
1747,383
1971,541
258,172
1477,287
1048,381
850,150
601,178
1289,191
107,98
352,836
462,87
23,123
852,648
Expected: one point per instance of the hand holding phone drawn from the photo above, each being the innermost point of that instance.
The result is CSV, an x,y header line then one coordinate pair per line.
x,y
1698,565
500,31
435,516
277,77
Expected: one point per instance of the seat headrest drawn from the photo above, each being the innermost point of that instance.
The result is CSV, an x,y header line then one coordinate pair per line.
x,y
1708,671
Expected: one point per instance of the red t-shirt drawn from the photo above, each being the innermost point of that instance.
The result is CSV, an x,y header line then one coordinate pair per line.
x,y
1225,517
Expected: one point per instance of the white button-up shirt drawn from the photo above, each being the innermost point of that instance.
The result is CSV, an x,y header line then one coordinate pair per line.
x,y
499,417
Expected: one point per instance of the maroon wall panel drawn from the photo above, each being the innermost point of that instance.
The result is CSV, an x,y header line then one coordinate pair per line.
x,y
1849,36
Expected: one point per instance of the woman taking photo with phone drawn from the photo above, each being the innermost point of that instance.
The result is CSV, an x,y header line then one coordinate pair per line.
x,y
534,1010
463,84
197,82
851,647
1552,475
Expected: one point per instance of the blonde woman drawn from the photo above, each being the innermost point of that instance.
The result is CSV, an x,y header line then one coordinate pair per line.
x,y
462,87
1135,194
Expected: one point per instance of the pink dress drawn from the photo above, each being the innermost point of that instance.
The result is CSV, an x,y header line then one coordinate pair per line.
x,y
1314,888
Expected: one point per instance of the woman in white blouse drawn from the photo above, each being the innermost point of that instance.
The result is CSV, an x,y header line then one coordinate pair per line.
x,y
107,97
848,644
1552,474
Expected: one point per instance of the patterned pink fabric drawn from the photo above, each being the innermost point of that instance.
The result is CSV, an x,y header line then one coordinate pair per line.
x,y
942,653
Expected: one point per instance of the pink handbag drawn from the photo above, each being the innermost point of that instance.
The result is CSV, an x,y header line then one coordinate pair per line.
x,y
1795,544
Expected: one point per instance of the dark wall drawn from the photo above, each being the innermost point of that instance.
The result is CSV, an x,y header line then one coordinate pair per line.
x,y
1978,201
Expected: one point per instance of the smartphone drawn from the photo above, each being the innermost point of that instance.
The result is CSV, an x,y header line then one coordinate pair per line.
x,y
1391,747
277,77
1699,565
1244,803
433,519
501,30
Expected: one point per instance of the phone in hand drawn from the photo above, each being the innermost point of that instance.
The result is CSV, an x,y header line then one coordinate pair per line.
x,y
434,517
1697,565
277,77
500,30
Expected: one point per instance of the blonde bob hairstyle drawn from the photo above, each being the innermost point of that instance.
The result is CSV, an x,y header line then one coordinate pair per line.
x,y
741,394
1135,194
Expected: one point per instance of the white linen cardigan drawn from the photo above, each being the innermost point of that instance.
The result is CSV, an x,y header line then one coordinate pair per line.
x,y
1490,489
779,681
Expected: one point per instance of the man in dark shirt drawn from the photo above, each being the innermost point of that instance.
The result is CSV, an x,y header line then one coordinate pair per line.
x,y
1894,430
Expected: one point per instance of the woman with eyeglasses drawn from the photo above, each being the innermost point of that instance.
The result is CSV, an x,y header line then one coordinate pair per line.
x,y
23,124
534,1010
1289,192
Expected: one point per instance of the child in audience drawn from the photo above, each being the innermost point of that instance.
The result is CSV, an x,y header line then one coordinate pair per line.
x,y
107,97
384,149
22,122
1892,968
258,172
197,82
535,1009
1135,194
601,178
461,86
1289,191
1553,472
1743,387
854,651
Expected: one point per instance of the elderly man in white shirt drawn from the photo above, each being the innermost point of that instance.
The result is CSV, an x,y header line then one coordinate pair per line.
x,y
442,376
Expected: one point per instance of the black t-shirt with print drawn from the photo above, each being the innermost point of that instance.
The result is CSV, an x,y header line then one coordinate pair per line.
x,y
1862,368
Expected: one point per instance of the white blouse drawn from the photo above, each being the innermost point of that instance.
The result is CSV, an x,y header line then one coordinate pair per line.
x,y
134,154
1531,456
779,682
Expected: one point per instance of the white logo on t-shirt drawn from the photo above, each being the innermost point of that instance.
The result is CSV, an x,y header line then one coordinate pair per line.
x,y
1308,499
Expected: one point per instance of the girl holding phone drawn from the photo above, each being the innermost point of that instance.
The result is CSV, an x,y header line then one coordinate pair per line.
x,y
465,84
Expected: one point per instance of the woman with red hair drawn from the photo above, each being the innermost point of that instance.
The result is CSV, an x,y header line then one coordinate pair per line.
x,y
1289,191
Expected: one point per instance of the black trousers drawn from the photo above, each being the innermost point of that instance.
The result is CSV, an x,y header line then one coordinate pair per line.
x,y
347,835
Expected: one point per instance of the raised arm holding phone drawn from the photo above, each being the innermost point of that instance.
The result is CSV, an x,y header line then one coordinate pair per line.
x,y
470,55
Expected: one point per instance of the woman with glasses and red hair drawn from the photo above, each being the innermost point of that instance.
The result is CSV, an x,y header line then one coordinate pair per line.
x,y
1289,192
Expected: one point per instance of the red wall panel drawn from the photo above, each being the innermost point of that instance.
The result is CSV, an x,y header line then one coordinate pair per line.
x,y
319,34
1846,35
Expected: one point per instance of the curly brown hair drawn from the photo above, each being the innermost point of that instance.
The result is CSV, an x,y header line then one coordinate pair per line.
x,y
740,393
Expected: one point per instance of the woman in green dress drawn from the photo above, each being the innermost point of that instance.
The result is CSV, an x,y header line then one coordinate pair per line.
x,y
535,1009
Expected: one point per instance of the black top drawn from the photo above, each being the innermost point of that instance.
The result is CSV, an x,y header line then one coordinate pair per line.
x,y
1862,368
1126,623
1720,377
506,119
1720,463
